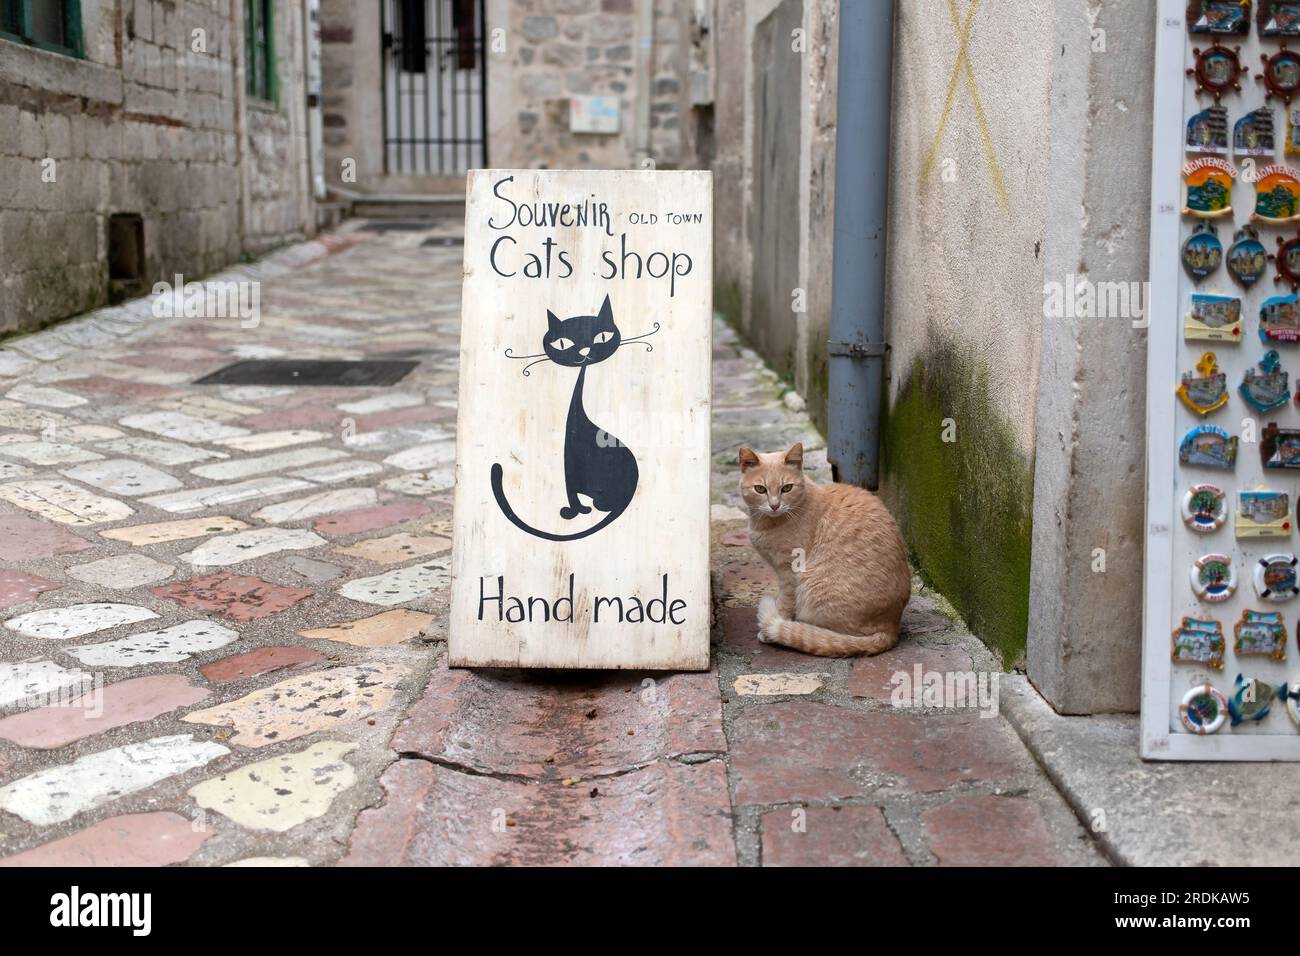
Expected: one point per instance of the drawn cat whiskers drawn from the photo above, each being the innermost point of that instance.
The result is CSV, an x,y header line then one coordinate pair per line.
x,y
543,357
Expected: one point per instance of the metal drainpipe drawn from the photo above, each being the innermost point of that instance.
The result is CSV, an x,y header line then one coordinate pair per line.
x,y
857,345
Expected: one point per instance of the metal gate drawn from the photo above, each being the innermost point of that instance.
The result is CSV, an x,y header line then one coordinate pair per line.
x,y
435,86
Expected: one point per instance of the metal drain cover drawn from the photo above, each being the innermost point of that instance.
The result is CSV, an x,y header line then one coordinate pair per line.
x,y
310,372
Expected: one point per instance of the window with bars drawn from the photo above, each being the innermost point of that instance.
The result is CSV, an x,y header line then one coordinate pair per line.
x,y
259,49
49,24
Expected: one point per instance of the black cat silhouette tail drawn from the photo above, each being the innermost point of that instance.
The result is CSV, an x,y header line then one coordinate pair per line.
x,y
519,523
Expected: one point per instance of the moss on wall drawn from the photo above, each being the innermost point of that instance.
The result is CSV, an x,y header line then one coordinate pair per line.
x,y
726,302
965,506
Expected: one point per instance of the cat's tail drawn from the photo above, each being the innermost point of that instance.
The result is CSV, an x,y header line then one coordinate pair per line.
x,y
774,629
499,493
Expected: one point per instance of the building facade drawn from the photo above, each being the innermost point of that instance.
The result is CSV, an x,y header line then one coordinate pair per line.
x,y
141,139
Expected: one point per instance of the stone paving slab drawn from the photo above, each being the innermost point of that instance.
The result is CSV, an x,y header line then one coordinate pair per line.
x,y
1159,813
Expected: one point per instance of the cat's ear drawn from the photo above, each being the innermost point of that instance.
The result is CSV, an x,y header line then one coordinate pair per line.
x,y
795,455
606,311
747,459
552,322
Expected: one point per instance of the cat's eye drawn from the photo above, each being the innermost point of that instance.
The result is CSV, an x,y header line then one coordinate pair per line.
x,y
562,344
603,337
760,489
786,488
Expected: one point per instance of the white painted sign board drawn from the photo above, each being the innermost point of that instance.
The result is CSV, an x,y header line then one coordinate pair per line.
x,y
1173,547
581,525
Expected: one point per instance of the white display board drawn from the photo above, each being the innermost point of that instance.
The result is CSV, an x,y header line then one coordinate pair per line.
x,y
1172,546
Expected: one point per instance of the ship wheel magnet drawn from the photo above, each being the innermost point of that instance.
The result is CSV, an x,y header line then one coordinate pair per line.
x,y
1286,262
1281,74
1217,70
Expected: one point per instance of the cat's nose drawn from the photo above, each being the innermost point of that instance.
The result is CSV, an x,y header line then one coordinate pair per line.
x,y
583,352
774,505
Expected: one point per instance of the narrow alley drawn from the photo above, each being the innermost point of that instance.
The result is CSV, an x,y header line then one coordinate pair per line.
x,y
247,585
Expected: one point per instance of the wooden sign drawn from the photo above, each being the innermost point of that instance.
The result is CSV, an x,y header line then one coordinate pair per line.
x,y
582,452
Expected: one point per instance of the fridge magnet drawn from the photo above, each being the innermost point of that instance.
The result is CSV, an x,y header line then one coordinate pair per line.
x,y
1217,70
1203,710
1206,389
1267,386
1208,446
1263,514
1277,195
1205,508
1279,447
1207,187
1207,131
1252,699
1219,17
1247,257
1214,579
1252,135
1279,320
1291,694
1278,18
1281,74
1286,262
1199,641
1293,131
1260,634
1275,577
1213,318
1202,252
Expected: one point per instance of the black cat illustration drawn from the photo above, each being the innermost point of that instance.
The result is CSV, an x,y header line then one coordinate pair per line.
x,y
596,464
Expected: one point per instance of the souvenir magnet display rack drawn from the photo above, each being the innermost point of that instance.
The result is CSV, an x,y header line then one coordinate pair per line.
x,y
1221,628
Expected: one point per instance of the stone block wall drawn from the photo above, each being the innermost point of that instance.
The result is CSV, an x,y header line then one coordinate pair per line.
x,y
150,121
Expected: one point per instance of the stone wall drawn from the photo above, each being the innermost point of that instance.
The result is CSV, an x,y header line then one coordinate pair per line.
x,y
774,165
151,121
540,54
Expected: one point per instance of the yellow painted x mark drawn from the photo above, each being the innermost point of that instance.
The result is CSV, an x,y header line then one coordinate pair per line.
x,y
962,65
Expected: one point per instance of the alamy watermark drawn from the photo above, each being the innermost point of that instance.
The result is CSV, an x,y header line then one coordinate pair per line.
x,y
956,689
1081,298
209,300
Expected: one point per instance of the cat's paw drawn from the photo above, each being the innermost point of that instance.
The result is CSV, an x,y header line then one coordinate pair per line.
x,y
768,619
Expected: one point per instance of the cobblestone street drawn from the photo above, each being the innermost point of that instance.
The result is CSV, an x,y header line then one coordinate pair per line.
x,y
249,584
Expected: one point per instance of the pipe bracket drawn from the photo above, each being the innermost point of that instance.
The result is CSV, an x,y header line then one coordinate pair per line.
x,y
858,350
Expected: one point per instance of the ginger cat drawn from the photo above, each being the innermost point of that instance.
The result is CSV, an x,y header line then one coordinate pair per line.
x,y
855,580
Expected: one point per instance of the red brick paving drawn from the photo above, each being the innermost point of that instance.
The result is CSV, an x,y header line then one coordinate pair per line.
x,y
140,839
26,539
100,710
370,519
233,596
264,660
663,814
988,830
594,724
805,750
403,416
304,416
830,836
19,588
120,388
873,676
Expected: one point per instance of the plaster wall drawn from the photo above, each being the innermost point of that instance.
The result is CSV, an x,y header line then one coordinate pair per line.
x,y
967,225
